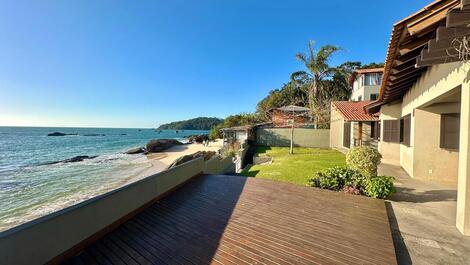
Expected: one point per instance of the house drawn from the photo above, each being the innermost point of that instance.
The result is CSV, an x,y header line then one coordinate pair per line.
x,y
365,84
237,136
285,116
424,100
351,126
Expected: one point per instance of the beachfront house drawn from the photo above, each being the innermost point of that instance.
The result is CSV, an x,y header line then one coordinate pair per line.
x,y
238,136
350,124
424,100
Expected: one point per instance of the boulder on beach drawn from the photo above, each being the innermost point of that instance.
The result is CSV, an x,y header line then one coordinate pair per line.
x,y
138,150
60,134
71,160
155,146
206,154
198,138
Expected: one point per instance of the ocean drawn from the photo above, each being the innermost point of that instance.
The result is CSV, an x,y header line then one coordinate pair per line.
x,y
32,185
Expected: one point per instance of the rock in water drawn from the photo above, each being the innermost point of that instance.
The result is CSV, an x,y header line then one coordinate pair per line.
x,y
60,134
138,150
71,160
155,146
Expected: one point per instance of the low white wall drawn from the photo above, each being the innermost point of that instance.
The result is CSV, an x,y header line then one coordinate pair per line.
x,y
41,240
303,137
218,165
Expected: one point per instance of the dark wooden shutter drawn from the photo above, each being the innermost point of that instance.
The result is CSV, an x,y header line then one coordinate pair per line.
x,y
405,130
391,131
347,135
450,131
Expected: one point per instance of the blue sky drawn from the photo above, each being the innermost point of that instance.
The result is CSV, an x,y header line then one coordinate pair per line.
x,y
141,63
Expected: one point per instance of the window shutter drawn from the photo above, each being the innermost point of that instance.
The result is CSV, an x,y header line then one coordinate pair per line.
x,y
450,131
405,130
391,131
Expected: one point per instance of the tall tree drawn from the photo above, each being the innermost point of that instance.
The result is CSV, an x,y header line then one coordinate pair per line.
x,y
317,64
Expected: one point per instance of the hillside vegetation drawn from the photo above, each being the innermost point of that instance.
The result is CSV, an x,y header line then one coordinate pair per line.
x,y
201,123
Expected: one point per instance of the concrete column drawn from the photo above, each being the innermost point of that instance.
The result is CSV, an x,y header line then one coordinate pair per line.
x,y
463,189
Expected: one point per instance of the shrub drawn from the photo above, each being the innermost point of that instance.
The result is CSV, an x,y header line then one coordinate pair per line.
x,y
364,159
337,178
379,187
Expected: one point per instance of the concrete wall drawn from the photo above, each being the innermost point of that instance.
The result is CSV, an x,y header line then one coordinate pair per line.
x,y
41,240
426,150
390,151
319,138
336,129
219,165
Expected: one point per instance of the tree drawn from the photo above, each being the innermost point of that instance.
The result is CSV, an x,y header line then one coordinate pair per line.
x,y
317,64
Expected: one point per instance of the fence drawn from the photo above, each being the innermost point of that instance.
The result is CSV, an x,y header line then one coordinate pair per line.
x,y
303,137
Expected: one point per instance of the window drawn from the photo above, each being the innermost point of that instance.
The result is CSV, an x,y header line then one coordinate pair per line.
x,y
405,127
374,96
450,131
359,98
373,79
391,131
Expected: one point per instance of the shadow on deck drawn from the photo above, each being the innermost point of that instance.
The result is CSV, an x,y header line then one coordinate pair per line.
x,y
238,220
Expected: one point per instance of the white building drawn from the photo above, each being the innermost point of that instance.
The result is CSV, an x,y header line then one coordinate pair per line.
x,y
365,84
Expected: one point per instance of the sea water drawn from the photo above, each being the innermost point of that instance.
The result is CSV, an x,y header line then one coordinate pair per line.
x,y
31,187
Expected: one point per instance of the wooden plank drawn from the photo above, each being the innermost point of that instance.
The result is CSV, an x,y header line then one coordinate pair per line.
x,y
444,33
236,220
458,18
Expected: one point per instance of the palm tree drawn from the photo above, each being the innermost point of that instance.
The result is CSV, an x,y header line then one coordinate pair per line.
x,y
316,63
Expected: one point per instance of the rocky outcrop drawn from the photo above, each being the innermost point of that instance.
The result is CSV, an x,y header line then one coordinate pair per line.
x,y
60,134
206,154
138,150
71,160
198,138
155,146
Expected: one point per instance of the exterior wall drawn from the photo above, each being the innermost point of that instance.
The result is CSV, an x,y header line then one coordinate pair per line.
x,y
336,129
40,240
303,137
219,165
390,151
363,91
280,118
427,149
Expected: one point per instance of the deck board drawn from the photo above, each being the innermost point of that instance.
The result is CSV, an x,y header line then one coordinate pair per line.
x,y
238,220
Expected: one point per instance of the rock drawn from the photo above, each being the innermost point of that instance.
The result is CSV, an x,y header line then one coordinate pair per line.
x,y
206,154
123,134
155,146
60,134
198,138
138,150
71,160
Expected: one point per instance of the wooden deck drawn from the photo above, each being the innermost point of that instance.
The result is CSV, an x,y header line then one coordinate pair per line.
x,y
238,220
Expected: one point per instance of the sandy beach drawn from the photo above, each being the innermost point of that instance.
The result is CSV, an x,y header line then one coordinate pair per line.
x,y
159,162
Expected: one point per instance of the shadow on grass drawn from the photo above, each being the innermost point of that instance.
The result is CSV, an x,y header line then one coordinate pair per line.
x,y
401,251
259,149
247,172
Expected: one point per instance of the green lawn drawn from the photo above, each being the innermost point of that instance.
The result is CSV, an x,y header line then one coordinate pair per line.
x,y
297,168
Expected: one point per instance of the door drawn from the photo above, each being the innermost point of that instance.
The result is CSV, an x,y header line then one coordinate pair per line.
x,y
347,135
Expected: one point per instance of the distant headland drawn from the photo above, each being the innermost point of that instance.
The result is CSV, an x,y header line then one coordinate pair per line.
x,y
200,123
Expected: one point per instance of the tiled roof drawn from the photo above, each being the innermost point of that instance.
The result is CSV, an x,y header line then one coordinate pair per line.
x,y
354,110
369,70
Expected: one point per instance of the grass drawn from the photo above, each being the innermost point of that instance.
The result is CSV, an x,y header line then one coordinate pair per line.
x,y
297,168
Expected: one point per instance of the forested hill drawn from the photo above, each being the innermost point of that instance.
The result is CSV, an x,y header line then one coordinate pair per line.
x,y
201,123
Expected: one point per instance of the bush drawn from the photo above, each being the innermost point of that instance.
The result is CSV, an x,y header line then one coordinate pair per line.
x,y
364,159
379,187
216,132
337,178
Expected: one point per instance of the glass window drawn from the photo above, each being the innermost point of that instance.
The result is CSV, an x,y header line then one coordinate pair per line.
x,y
373,79
374,96
450,131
